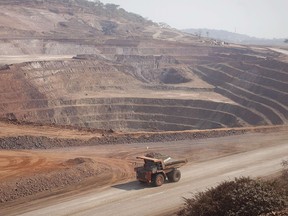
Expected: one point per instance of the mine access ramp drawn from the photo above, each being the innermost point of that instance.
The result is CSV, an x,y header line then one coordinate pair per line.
x,y
157,168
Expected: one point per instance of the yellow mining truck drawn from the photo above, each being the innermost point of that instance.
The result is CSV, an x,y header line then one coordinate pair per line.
x,y
157,168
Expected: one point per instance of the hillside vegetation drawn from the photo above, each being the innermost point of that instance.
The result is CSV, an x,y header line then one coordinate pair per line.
x,y
241,197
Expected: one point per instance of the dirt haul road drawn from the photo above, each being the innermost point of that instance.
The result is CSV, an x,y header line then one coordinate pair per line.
x,y
255,154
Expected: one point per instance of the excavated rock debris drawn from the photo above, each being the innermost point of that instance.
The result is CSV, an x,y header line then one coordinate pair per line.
x,y
79,160
277,213
74,171
110,137
41,142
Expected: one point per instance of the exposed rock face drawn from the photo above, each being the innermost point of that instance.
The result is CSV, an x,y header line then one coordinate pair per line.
x,y
173,76
74,171
128,73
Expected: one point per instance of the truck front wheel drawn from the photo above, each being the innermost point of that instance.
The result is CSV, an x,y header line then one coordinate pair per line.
x,y
174,176
158,179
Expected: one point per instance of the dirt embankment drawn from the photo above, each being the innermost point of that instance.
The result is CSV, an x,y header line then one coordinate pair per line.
x,y
43,142
31,142
73,171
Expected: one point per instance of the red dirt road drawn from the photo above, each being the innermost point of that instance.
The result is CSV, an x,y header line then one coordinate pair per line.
x,y
210,161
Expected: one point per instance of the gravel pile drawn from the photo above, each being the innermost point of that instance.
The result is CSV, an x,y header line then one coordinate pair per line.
x,y
32,142
75,171
278,213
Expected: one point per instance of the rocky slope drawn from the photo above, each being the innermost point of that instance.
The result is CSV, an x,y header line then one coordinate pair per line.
x,y
128,73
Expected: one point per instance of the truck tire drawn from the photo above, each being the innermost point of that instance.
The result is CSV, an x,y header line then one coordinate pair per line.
x,y
174,176
158,179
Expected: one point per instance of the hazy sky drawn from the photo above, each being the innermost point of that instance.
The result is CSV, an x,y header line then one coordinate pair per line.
x,y
259,18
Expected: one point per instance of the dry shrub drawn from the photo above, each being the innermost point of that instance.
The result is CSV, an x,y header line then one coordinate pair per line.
x,y
241,197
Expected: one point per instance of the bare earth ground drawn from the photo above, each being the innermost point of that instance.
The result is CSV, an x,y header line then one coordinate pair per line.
x,y
46,170
26,58
99,180
284,53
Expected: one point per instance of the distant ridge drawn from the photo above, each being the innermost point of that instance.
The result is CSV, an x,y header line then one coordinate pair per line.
x,y
234,37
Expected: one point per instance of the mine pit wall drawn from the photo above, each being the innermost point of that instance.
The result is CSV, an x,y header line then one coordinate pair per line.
x,y
43,46
254,106
261,86
133,114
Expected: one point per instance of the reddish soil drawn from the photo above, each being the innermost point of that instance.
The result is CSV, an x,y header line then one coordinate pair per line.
x,y
27,174
85,88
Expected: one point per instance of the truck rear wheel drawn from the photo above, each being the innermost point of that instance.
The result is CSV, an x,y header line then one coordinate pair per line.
x,y
174,176
158,179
